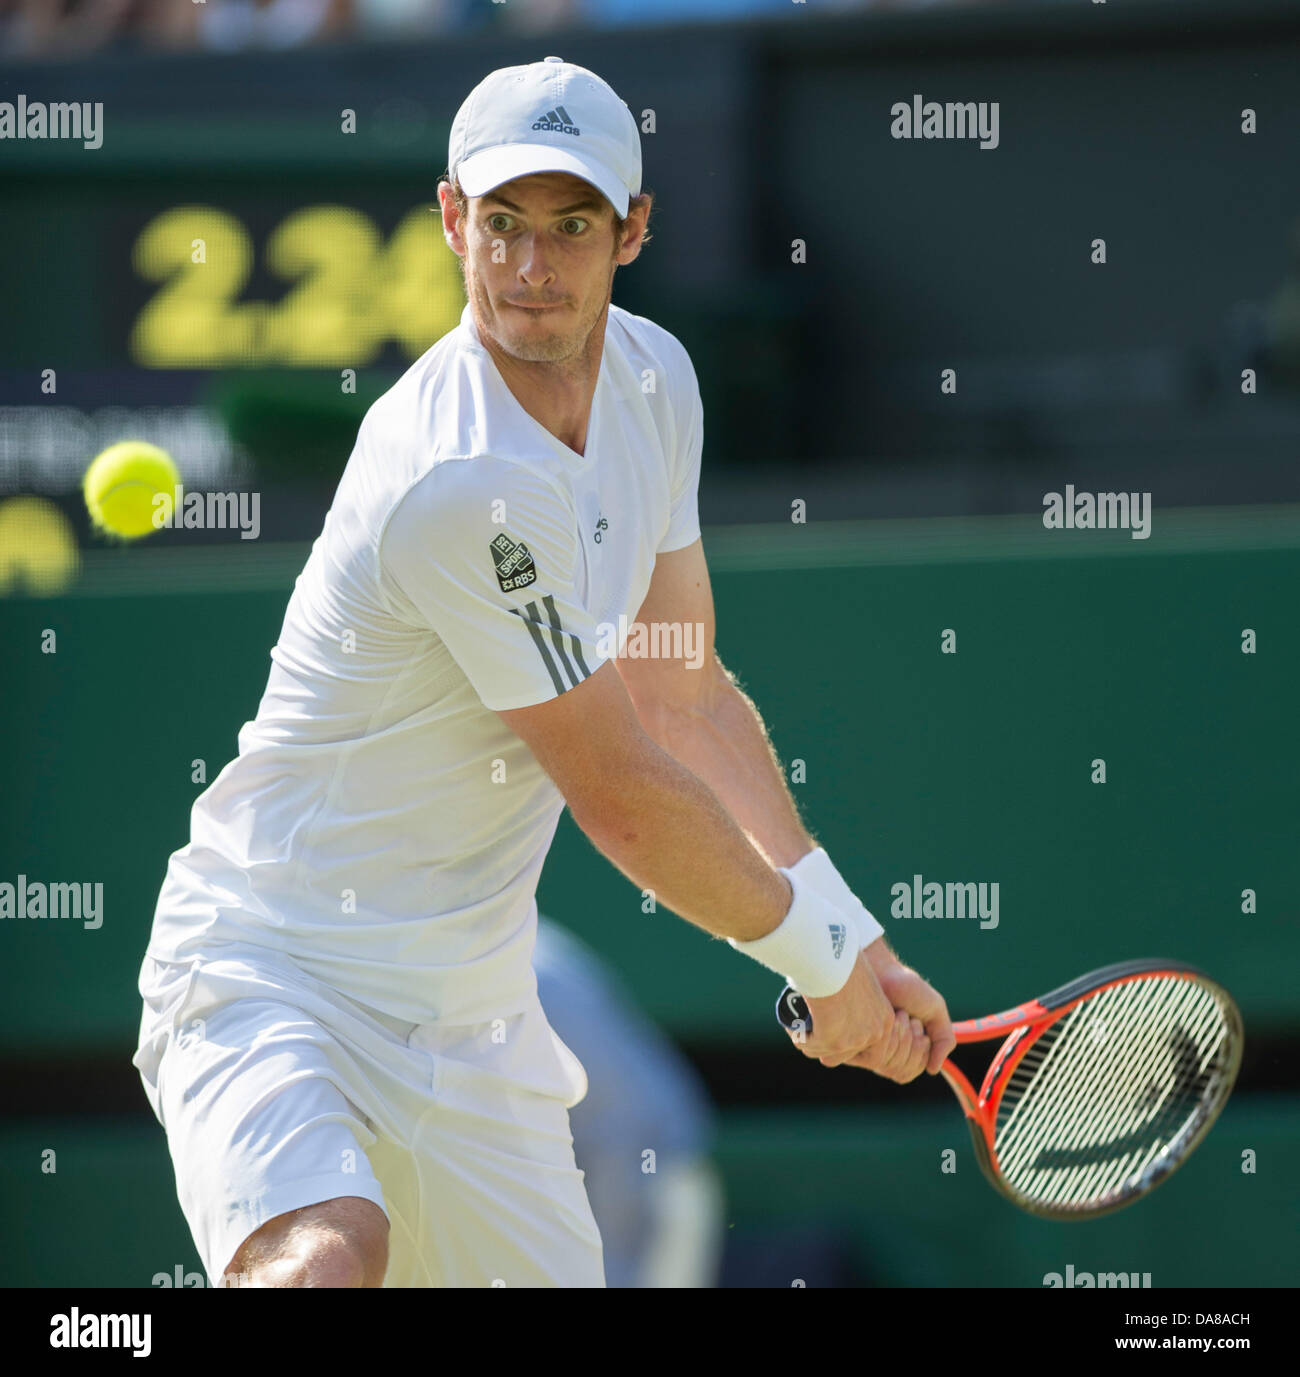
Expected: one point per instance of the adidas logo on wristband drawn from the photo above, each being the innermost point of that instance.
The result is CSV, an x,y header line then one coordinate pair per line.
x,y
838,933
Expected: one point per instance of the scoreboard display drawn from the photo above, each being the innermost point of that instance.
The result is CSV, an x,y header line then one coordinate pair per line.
x,y
345,290
196,280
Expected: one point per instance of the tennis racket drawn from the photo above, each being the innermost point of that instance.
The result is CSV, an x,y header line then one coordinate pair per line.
x,y
1099,1091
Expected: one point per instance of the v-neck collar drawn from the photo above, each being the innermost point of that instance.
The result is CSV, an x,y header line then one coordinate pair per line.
x,y
572,455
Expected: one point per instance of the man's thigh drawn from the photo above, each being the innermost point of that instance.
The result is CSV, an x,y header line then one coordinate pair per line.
x,y
485,1191
259,1123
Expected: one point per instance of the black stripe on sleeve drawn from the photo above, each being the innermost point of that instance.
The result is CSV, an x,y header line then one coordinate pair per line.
x,y
532,620
558,634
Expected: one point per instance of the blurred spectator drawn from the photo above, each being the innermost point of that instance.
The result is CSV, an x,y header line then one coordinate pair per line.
x,y
612,13
631,12
72,28
537,16
228,26
643,1133
61,28
380,19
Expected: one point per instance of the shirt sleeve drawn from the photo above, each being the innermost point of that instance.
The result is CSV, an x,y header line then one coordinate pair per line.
x,y
684,515
486,553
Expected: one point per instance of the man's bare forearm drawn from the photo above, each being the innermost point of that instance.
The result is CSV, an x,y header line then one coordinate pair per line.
x,y
723,741
667,831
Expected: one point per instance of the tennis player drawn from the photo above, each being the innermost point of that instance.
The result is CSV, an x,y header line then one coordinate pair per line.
x,y
341,1032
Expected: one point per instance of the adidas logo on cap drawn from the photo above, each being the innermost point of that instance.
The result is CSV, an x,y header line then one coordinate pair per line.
x,y
556,121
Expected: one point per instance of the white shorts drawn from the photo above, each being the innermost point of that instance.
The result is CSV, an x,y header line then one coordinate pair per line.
x,y
276,1092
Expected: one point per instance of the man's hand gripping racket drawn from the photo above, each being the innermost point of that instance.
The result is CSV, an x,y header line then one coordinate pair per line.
x,y
1100,1089
886,1019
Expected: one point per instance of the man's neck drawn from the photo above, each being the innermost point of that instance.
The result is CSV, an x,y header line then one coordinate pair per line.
x,y
556,395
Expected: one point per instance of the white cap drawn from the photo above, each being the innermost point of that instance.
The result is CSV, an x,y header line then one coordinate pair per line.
x,y
549,116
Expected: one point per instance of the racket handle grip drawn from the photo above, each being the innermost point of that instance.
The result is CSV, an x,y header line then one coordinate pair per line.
x,y
792,1012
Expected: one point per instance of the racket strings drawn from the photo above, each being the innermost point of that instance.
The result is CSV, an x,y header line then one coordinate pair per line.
x,y
1140,1094
1091,1140
1113,1093
1101,1122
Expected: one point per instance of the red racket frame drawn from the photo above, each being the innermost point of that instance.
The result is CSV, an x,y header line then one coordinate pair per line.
x,y
1026,1022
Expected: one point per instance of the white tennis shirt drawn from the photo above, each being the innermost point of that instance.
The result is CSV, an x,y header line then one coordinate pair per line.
x,y
381,825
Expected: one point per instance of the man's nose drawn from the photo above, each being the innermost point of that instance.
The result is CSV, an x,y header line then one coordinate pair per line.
x,y
534,263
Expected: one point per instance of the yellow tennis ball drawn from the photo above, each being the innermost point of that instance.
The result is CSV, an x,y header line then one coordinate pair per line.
x,y
120,486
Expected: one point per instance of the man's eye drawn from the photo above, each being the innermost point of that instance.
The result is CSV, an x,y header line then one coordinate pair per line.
x,y
498,223
575,224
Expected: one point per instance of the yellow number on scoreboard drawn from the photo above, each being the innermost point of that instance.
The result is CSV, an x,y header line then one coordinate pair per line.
x,y
204,256
351,293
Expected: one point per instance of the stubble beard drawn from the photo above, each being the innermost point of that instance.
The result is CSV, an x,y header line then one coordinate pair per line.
x,y
555,346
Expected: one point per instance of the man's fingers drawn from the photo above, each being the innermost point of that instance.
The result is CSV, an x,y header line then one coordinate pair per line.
x,y
912,1037
889,1054
816,1047
916,1063
942,1041
902,1054
903,1047
901,1057
911,1052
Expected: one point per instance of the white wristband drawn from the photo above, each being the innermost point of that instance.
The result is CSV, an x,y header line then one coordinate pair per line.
x,y
813,948
816,870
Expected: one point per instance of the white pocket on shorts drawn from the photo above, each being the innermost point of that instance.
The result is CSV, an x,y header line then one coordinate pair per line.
x,y
573,1069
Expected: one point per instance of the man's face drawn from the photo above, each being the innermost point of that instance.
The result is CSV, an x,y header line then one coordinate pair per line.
x,y
539,257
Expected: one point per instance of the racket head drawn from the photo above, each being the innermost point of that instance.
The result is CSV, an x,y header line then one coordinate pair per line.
x,y
1106,1092
1100,1090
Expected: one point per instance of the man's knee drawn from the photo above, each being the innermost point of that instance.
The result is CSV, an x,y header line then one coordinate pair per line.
x,y
320,1260
341,1243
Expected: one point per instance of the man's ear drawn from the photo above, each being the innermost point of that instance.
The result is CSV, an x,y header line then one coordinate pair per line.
x,y
638,216
452,229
